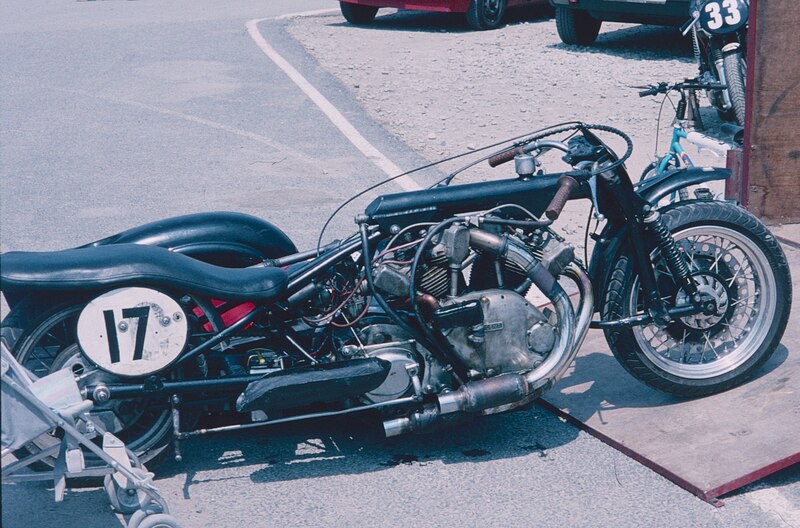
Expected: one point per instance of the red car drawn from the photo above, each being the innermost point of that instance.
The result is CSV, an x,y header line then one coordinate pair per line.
x,y
481,14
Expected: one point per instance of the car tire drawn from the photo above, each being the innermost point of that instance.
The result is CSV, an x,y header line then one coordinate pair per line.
x,y
576,27
486,14
356,14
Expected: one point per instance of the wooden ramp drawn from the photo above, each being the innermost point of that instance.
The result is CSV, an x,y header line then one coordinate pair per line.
x,y
710,446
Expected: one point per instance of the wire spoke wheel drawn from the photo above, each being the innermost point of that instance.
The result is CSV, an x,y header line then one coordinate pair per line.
x,y
734,261
143,424
731,269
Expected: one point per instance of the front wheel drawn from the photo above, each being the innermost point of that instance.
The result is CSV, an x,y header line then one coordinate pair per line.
x,y
356,14
734,259
486,14
576,27
735,71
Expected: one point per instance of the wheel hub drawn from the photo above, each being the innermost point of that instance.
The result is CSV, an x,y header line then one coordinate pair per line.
x,y
711,288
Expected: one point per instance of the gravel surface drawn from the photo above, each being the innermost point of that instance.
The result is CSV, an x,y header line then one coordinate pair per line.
x,y
443,89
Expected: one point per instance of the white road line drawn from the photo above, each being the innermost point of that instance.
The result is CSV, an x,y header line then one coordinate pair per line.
x,y
774,503
339,121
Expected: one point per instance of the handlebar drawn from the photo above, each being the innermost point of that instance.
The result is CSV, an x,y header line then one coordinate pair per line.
x,y
541,145
566,185
503,157
662,88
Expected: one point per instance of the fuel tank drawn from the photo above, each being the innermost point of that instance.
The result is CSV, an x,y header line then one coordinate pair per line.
x,y
430,205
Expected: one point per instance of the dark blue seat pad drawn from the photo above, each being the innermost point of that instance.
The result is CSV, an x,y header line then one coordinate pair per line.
x,y
118,265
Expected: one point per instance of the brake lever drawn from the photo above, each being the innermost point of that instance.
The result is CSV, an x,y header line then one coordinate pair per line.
x,y
690,24
593,188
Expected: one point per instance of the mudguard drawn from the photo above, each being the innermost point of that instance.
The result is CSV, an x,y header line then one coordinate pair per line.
x,y
612,240
226,239
655,188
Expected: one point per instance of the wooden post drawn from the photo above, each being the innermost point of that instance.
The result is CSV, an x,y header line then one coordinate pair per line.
x,y
771,180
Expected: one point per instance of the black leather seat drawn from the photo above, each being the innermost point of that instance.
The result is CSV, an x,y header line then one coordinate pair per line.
x,y
118,265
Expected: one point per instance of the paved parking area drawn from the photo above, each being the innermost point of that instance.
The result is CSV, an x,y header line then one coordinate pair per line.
x,y
119,113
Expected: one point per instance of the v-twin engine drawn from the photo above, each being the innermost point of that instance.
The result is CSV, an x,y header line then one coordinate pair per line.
x,y
499,331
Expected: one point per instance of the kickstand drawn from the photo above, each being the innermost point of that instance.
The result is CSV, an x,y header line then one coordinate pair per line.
x,y
176,427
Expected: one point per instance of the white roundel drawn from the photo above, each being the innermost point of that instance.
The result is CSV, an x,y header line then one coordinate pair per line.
x,y
132,331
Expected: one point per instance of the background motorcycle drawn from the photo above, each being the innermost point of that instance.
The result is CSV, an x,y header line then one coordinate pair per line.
x,y
719,37
427,311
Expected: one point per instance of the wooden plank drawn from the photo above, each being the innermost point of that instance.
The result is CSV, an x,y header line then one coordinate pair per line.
x,y
773,160
709,446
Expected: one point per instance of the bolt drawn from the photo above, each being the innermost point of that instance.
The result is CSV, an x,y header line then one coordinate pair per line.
x,y
123,326
101,394
177,316
165,321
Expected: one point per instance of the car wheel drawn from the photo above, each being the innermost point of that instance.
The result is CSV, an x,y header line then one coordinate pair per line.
x,y
576,27
358,15
486,14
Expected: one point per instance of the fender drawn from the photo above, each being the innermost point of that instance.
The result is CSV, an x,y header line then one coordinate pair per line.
x,y
655,188
611,242
221,238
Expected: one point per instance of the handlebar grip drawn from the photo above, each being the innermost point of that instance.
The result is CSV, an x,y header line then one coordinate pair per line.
x,y
566,185
649,91
503,157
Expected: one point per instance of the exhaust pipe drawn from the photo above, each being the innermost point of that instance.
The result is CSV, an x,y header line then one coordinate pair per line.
x,y
507,391
472,397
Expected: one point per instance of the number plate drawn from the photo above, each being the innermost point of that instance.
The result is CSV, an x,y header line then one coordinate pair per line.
x,y
132,331
723,16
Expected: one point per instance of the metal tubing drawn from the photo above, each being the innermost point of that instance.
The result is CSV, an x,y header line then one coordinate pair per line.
x,y
223,335
132,390
304,255
393,403
298,281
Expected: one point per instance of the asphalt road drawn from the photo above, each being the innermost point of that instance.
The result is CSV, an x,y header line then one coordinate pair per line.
x,y
118,113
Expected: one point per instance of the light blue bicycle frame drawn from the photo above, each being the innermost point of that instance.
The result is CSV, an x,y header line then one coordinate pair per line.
x,y
676,152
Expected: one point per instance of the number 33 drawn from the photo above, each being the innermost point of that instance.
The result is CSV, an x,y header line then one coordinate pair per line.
x,y
714,10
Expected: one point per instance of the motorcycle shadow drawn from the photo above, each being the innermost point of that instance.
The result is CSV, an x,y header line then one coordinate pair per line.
x,y
356,444
31,504
597,383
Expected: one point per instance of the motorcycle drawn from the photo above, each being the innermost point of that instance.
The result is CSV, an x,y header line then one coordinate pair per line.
x,y
427,311
719,39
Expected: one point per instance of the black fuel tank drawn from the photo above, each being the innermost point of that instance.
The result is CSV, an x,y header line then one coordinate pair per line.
x,y
432,205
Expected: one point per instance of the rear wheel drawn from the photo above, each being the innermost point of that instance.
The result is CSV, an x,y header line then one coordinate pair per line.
x,y
486,14
50,343
576,26
734,259
358,14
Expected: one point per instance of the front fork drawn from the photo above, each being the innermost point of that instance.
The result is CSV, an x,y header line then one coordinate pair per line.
x,y
642,217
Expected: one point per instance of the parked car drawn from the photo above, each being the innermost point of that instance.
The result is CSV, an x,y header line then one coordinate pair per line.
x,y
578,21
481,14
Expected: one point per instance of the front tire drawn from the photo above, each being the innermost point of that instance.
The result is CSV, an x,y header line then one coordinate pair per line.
x,y
358,15
576,27
735,259
486,14
735,71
